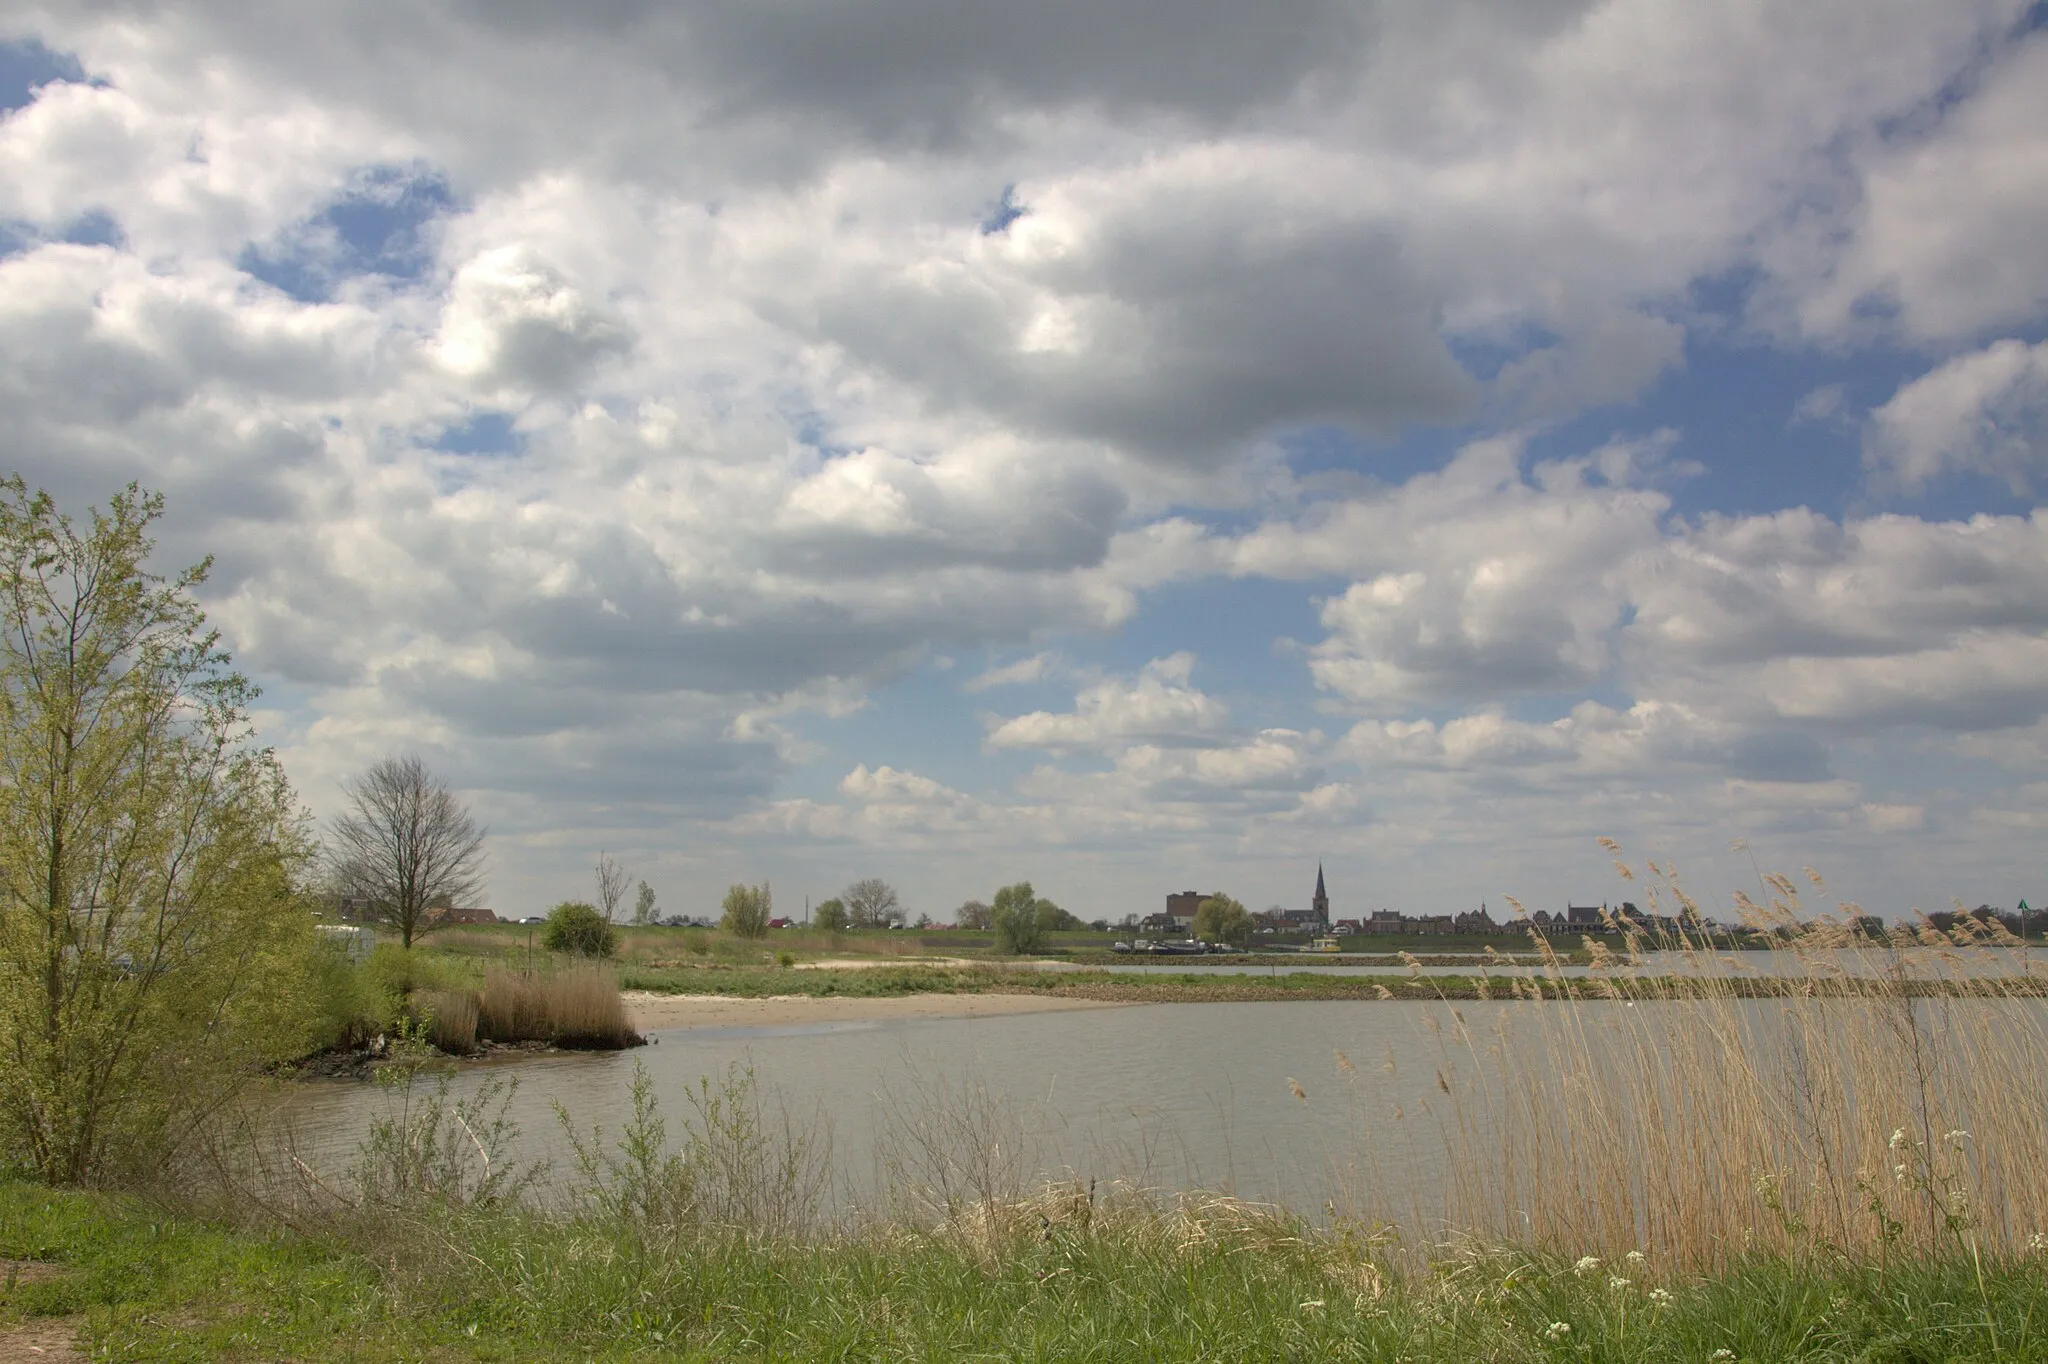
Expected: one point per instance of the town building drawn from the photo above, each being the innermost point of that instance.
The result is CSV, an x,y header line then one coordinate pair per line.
x,y
1180,913
1314,919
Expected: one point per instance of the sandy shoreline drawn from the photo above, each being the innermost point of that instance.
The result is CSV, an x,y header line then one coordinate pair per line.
x,y
870,963
656,1012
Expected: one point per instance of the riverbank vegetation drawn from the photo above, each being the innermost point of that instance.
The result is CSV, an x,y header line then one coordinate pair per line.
x,y
461,1001
1197,1279
153,946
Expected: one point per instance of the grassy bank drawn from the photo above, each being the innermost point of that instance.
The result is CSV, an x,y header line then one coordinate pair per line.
x,y
1205,1280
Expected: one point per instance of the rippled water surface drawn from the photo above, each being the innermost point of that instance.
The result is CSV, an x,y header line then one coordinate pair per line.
x,y
1301,1103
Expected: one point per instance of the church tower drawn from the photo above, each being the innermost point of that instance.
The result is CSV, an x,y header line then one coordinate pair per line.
x,y
1321,904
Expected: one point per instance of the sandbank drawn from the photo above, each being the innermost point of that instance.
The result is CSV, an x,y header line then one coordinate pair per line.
x,y
653,1012
868,963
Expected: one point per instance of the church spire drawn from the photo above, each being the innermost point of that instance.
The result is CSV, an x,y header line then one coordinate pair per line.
x,y
1321,904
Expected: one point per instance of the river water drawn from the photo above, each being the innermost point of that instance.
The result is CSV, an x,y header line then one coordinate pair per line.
x,y
1319,1106
1164,1096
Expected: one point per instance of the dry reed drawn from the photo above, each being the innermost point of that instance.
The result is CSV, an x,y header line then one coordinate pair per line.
x,y
451,1019
579,1006
1897,1121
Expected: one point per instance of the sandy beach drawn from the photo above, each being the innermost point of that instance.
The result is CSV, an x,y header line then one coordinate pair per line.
x,y
656,1012
869,963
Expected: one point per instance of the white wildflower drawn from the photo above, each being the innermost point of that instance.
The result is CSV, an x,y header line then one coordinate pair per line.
x,y
1558,1330
1720,1355
1955,1138
1587,1265
1636,1257
1660,1297
1617,1283
2038,1241
1899,1139
1312,1305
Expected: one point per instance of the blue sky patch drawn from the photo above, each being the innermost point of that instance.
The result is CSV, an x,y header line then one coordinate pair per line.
x,y
1006,211
481,433
381,225
26,67
94,227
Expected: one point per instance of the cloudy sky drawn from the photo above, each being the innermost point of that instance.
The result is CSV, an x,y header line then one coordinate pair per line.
x,y
1127,445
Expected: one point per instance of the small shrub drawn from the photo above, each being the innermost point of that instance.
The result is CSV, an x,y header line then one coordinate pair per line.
x,y
349,1003
432,1147
786,958
400,974
578,929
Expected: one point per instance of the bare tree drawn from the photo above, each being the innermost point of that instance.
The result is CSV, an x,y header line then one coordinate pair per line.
x,y
611,886
406,846
872,903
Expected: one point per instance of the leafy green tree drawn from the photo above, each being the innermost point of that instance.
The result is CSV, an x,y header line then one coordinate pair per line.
x,y
1015,916
1222,919
747,911
154,945
643,905
830,915
580,928
1053,919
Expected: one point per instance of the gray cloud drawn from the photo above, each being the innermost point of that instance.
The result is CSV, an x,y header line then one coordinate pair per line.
x,y
1194,329
789,421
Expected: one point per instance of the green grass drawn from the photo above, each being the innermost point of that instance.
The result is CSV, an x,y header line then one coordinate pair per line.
x,y
1218,1282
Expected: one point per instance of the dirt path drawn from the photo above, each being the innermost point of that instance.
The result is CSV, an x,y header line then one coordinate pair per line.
x,y
46,1338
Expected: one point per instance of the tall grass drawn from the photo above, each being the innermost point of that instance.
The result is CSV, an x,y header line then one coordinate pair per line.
x,y
1862,1115
450,1017
578,1006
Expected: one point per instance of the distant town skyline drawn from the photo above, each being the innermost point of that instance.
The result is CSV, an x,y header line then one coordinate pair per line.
x,y
1120,446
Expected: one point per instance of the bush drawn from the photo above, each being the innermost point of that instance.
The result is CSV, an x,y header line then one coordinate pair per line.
x,y
398,975
830,917
350,1003
577,928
